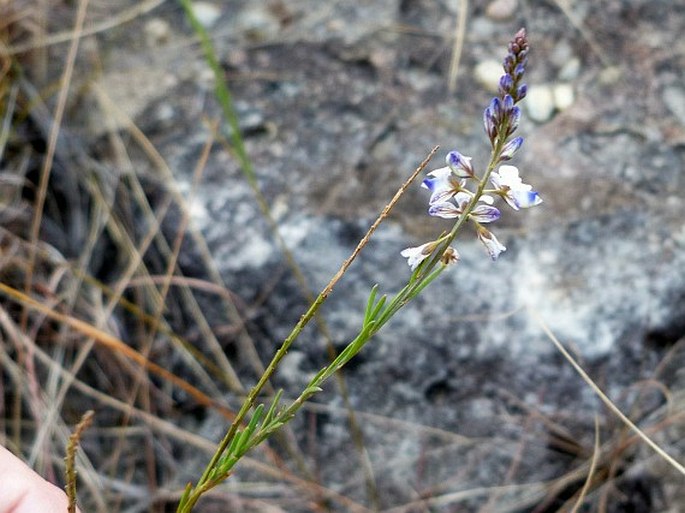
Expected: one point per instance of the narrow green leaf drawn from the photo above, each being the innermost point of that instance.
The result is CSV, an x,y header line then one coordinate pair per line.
x,y
272,409
426,281
379,306
234,444
370,303
254,421
184,497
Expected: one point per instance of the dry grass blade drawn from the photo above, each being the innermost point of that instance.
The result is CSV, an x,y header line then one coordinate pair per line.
x,y
458,46
604,398
591,472
564,7
113,343
70,460
52,142
111,22
228,375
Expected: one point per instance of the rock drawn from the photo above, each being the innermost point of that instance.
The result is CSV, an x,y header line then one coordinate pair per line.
x,y
488,73
206,13
540,103
563,96
258,23
610,75
674,98
570,70
501,10
157,32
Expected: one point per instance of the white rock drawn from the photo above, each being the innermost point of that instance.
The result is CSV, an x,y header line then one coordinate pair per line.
x,y
610,75
540,103
563,96
157,32
259,24
570,70
500,10
674,98
488,73
206,13
561,52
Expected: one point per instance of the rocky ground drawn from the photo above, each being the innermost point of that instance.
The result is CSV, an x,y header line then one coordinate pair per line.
x,y
464,402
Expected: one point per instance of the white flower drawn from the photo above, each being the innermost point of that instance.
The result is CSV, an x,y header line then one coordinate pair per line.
x,y
443,184
510,186
490,242
418,254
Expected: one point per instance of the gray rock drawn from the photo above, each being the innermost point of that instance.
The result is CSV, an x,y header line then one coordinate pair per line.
x,y
570,70
674,98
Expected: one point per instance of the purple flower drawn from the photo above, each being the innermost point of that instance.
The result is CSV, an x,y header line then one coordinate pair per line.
x,y
481,213
510,186
443,185
445,182
452,198
514,68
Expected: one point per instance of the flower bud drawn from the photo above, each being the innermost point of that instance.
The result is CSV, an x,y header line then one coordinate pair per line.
x,y
505,84
459,164
490,124
521,92
492,245
507,104
510,148
514,120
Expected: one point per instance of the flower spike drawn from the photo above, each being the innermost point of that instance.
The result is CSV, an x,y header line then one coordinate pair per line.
x,y
458,193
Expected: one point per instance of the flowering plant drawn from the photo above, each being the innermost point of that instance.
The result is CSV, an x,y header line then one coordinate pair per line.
x,y
457,192
451,197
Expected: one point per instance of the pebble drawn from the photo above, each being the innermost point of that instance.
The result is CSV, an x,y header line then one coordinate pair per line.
x,y
259,24
157,32
500,10
563,96
570,70
488,73
561,52
674,98
206,13
540,103
610,75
